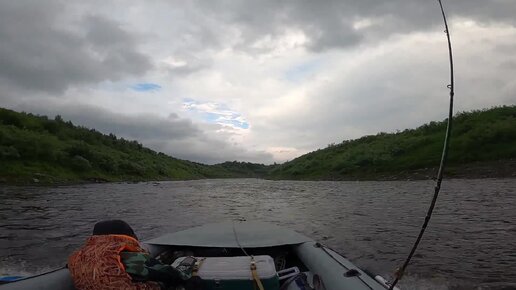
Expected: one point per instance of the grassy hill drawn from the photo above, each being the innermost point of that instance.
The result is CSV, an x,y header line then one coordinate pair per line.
x,y
38,149
483,139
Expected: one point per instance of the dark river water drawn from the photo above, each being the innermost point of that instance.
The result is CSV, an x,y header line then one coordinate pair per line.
x,y
470,244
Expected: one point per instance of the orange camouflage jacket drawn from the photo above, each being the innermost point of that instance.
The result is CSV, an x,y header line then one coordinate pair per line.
x,y
98,266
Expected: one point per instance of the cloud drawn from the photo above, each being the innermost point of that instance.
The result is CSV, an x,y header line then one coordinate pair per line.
x,y
173,135
397,85
248,80
346,23
140,127
302,71
42,52
184,64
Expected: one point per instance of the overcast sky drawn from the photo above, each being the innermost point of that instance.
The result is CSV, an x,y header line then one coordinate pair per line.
x,y
260,81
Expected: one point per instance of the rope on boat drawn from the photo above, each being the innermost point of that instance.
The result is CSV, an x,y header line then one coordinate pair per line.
x,y
451,86
238,242
253,268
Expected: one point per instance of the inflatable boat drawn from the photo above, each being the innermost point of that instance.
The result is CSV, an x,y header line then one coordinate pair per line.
x,y
240,256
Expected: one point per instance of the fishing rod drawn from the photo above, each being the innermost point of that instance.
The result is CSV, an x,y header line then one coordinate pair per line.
x,y
400,271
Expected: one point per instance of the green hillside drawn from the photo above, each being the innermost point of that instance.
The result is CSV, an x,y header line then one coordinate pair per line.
x,y
479,138
38,149
245,169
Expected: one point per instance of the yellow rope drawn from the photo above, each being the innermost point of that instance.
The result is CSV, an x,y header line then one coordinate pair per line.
x,y
255,274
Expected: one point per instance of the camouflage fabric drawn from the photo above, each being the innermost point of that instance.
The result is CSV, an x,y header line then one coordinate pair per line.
x,y
142,267
97,264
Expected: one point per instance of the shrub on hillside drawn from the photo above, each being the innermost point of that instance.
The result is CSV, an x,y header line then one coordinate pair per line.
x,y
9,153
79,163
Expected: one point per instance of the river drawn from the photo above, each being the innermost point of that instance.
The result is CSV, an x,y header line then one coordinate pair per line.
x,y
470,244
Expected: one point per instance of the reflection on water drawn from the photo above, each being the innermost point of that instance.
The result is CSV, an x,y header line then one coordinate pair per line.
x,y
471,240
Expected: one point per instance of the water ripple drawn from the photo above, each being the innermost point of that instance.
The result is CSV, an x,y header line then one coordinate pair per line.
x,y
469,245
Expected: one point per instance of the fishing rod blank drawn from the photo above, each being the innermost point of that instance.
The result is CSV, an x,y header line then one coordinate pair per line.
x,y
451,86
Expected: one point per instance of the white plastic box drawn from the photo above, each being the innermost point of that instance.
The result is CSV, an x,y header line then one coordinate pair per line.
x,y
234,273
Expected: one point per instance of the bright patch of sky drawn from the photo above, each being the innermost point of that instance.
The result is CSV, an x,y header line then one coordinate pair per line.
x,y
215,113
146,87
302,71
